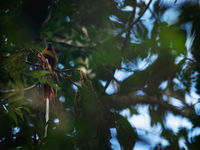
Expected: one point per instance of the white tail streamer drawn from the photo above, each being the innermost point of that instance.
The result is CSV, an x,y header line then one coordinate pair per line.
x,y
46,117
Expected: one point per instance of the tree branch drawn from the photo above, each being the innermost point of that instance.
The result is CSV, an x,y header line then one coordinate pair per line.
x,y
122,102
25,89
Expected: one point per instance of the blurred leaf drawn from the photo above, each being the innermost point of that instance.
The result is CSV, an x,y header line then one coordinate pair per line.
x,y
107,53
133,111
126,134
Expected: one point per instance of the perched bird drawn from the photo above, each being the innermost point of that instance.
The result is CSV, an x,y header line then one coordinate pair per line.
x,y
50,54
49,61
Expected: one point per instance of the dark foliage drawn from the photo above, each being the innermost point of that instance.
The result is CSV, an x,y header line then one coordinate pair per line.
x,y
95,39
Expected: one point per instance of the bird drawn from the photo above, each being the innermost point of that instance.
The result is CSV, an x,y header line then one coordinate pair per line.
x,y
49,54
49,61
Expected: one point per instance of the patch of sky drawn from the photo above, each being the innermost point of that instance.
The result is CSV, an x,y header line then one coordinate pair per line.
x,y
74,87
114,142
67,19
56,121
176,122
192,97
141,146
115,19
127,8
142,124
121,74
176,102
171,3
60,66
5,108
2,139
182,144
163,85
120,3
103,83
142,64
134,39
16,130
140,92
112,87
197,108
164,97
179,84
37,137
31,68
194,132
171,16
179,59
72,64
62,99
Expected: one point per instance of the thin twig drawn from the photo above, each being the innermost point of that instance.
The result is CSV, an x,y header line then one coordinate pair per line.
x,y
26,89
191,60
33,64
64,42
130,26
137,18
72,82
46,21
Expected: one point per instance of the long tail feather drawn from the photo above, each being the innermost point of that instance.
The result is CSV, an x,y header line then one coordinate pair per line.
x,y
46,116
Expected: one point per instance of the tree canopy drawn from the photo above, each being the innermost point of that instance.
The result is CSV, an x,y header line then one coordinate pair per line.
x,y
113,56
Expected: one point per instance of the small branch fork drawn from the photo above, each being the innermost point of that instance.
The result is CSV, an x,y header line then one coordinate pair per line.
x,y
138,19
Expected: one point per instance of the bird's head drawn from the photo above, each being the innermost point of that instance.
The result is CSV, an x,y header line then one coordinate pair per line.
x,y
49,46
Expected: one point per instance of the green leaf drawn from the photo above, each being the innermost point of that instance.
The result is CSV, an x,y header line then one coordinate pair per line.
x,y
38,74
19,113
107,53
126,134
12,115
133,111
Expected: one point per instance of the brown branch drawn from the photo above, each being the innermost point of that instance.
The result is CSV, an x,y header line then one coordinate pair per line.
x,y
121,102
67,77
48,16
46,21
30,63
25,89
130,26
58,70
64,42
